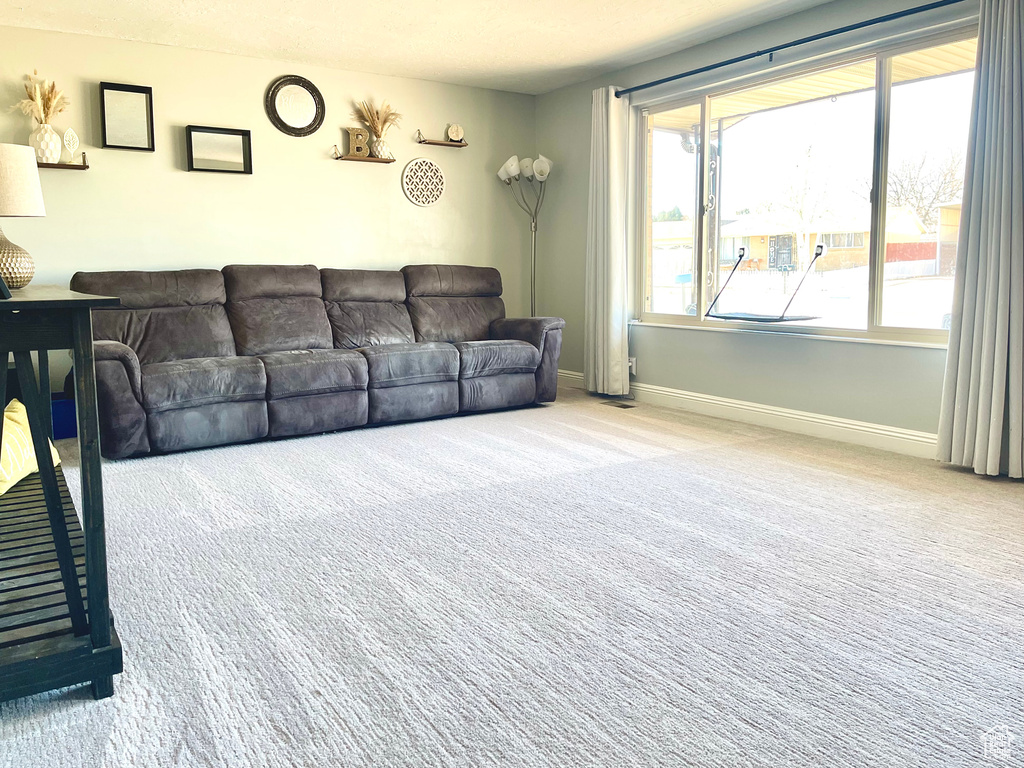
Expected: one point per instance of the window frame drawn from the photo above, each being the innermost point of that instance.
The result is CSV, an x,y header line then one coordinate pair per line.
x,y
882,52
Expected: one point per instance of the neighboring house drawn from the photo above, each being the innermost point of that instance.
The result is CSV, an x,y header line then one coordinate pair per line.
x,y
948,236
773,243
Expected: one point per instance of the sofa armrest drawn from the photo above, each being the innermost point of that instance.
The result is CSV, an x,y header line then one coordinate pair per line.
x,y
123,421
122,353
531,329
545,333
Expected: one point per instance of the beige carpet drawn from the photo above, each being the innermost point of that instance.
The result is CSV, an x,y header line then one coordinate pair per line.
x,y
575,585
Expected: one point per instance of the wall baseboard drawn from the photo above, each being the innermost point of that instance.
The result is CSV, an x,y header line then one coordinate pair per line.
x,y
886,438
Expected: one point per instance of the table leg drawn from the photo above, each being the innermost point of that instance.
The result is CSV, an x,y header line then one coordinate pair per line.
x,y
51,492
43,362
92,492
4,357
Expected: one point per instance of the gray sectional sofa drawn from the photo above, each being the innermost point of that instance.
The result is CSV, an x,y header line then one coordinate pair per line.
x,y
198,358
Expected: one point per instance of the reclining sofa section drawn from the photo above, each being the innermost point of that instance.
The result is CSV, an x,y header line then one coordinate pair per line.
x,y
197,358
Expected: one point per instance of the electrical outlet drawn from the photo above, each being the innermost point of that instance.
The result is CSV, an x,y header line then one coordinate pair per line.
x,y
632,366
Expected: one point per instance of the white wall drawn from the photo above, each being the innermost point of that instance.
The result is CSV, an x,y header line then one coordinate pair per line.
x,y
139,210
889,385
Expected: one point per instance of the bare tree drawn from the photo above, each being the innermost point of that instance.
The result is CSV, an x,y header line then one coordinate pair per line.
x,y
806,198
923,183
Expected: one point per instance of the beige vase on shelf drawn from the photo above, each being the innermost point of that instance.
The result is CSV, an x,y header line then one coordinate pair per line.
x,y
46,142
379,148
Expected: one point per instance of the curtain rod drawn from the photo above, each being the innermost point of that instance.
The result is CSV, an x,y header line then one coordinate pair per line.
x,y
803,40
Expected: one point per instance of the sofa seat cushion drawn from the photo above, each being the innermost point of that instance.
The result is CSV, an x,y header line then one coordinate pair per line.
x,y
202,381
494,358
397,365
313,372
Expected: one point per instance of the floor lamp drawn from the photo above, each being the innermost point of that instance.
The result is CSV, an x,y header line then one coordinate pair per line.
x,y
535,172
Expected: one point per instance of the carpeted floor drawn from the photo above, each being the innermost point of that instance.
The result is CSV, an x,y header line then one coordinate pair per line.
x,y
575,585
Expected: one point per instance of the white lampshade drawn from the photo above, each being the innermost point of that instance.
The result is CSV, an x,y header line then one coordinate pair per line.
x,y
512,166
502,173
541,168
526,167
20,192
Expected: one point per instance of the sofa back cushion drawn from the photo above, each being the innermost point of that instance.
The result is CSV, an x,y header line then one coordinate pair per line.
x,y
165,316
274,308
452,303
366,308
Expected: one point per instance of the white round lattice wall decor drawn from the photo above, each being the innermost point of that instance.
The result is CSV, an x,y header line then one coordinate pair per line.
x,y
423,181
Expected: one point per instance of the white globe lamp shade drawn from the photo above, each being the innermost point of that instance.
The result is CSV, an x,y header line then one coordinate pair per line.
x,y
526,167
502,173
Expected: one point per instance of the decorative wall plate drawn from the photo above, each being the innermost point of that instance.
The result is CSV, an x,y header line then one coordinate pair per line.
x,y
423,181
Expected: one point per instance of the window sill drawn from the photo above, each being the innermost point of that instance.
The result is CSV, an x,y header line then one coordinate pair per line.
x,y
812,335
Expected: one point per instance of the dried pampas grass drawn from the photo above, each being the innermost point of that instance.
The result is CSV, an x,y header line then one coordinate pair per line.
x,y
377,120
44,101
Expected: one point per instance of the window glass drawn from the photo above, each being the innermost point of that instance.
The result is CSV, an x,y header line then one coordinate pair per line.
x,y
790,169
672,219
930,110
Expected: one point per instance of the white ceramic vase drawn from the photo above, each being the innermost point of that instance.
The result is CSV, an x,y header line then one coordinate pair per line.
x,y
379,148
46,142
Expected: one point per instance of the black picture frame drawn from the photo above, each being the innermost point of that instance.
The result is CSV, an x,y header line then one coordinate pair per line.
x,y
5,293
246,148
270,104
106,120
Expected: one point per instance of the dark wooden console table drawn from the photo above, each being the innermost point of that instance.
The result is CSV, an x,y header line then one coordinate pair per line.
x,y
56,629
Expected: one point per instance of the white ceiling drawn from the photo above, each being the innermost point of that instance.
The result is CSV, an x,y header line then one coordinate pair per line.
x,y
530,46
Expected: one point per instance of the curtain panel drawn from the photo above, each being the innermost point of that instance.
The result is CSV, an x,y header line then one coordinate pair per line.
x,y
606,349
982,418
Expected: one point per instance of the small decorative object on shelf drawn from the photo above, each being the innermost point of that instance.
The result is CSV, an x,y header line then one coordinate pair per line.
x,y
358,142
46,142
44,102
453,130
126,116
378,120
294,105
423,182
71,142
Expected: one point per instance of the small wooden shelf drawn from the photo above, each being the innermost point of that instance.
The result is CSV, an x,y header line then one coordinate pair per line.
x,y
439,143
366,159
83,166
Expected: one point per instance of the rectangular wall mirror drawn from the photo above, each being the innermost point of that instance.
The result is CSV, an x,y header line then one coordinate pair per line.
x,y
220,150
126,114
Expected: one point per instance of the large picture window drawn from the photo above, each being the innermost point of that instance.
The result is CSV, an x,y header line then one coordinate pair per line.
x,y
825,201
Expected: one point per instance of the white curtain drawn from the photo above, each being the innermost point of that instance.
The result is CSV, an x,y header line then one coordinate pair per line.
x,y
982,420
605,356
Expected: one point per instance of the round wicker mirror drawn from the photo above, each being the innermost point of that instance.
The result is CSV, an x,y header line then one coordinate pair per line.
x,y
294,105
